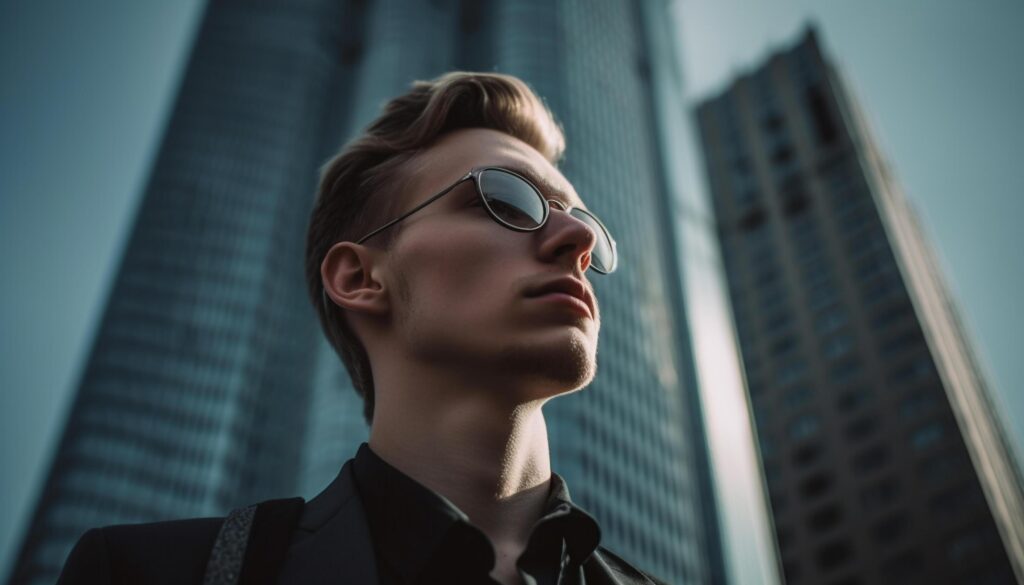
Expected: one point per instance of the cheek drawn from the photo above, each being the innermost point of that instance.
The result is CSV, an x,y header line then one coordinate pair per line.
x,y
460,270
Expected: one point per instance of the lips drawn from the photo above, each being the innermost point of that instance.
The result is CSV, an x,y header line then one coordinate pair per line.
x,y
565,285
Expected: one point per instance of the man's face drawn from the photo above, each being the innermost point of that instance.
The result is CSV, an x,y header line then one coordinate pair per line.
x,y
460,281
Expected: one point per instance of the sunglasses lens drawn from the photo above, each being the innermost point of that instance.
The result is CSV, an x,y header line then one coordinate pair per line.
x,y
603,256
516,202
511,199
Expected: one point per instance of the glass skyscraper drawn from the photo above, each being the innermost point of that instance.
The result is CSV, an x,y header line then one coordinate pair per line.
x,y
210,385
883,455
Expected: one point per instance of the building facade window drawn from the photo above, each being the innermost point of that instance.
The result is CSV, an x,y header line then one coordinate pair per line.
x,y
918,403
892,314
834,555
825,518
902,566
902,341
790,371
817,270
970,542
837,346
822,294
871,459
845,370
830,319
796,397
772,297
953,501
890,529
785,346
878,289
917,369
880,494
853,399
928,435
826,130
815,486
803,427
941,467
807,455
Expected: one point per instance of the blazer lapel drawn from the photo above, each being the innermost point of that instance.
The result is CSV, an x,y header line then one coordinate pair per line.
x,y
332,542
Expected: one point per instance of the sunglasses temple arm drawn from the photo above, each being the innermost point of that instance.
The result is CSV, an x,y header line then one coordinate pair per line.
x,y
417,208
466,177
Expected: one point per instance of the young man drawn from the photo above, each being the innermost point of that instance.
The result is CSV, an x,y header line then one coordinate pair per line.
x,y
449,261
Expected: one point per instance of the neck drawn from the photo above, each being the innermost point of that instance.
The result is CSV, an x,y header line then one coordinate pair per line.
x,y
488,457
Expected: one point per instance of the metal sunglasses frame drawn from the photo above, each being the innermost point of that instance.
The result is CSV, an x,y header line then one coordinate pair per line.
x,y
474,175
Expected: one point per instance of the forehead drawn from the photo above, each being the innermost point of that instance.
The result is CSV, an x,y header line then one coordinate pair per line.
x,y
457,153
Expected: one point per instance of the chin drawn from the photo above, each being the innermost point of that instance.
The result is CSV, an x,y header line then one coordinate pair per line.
x,y
543,362
557,366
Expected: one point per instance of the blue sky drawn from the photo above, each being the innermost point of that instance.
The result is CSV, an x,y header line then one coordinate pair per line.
x,y
86,89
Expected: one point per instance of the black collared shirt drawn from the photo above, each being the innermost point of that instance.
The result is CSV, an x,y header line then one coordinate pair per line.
x,y
420,537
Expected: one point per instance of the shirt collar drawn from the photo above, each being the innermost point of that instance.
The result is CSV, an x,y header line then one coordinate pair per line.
x,y
409,521
581,530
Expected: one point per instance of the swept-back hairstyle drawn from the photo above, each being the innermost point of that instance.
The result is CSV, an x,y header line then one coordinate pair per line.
x,y
358,186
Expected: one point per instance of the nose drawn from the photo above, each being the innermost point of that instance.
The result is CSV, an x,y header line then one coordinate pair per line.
x,y
566,239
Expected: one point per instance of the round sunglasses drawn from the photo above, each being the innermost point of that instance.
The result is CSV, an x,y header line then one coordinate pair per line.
x,y
517,204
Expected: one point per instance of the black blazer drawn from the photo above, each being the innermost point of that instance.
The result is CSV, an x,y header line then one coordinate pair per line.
x,y
330,545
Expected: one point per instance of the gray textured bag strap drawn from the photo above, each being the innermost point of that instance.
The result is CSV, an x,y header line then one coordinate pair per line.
x,y
225,565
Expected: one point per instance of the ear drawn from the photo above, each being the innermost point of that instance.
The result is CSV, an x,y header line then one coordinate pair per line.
x,y
350,281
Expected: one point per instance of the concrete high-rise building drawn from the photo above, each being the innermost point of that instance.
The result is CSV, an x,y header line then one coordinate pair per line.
x,y
884,458
210,385
196,395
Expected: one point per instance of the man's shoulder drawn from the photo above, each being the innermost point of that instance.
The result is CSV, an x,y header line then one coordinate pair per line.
x,y
626,572
178,551
173,551
163,531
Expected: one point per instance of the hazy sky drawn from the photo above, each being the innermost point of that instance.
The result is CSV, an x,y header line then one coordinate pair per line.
x,y
86,88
